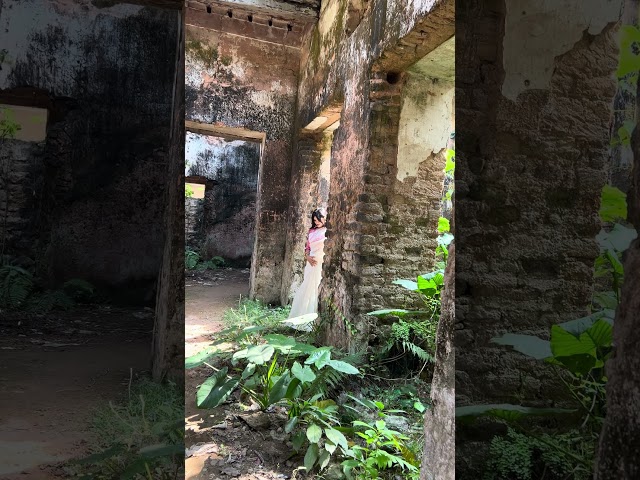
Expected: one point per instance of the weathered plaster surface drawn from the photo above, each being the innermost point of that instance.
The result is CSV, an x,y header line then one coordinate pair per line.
x,y
538,32
246,83
225,223
336,69
425,118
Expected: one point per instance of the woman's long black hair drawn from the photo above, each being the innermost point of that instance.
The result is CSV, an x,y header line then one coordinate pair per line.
x,y
316,214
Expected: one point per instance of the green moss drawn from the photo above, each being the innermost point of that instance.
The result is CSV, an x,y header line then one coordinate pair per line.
x,y
314,48
226,61
206,54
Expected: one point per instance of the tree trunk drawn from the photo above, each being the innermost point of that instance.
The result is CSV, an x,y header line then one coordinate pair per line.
x,y
168,331
438,458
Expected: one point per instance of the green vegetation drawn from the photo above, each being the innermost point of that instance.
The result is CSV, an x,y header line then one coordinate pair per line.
x,y
338,413
20,291
193,261
140,438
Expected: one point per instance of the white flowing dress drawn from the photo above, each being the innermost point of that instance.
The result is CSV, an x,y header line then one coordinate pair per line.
x,y
305,299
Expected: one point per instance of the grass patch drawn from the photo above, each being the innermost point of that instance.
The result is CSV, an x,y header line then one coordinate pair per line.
x,y
254,312
141,437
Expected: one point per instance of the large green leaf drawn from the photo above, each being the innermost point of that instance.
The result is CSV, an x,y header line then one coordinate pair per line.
x,y
450,163
288,345
408,284
606,299
279,389
314,433
311,456
565,344
629,61
618,239
613,204
579,363
601,333
507,411
615,262
528,344
258,354
294,390
580,325
298,440
343,367
319,358
304,374
323,461
336,437
215,390
443,225
445,239
202,357
291,424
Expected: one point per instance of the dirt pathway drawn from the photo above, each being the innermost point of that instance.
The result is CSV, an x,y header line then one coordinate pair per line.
x,y
54,370
219,442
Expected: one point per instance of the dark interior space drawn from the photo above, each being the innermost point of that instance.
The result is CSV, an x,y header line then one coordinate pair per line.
x,y
86,114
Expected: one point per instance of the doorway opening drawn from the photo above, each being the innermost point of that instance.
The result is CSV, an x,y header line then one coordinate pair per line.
x,y
224,174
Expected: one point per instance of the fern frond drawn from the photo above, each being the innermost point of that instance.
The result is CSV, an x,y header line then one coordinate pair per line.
x,y
16,285
49,301
327,381
417,351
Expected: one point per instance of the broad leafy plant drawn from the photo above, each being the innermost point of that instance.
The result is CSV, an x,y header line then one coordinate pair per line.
x,y
279,368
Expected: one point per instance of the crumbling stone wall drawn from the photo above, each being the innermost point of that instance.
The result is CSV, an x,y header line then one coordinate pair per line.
x,y
337,67
531,151
95,181
236,81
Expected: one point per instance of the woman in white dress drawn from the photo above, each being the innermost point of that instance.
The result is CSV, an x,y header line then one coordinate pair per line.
x,y
305,300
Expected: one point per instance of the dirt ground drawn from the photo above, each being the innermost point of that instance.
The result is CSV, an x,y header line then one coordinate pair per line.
x,y
226,442
54,370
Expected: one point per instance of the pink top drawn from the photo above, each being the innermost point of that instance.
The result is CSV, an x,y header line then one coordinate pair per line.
x,y
315,235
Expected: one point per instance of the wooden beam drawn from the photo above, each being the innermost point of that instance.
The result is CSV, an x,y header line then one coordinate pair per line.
x,y
229,133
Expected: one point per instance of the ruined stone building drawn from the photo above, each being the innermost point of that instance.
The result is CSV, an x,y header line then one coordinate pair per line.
x,y
350,106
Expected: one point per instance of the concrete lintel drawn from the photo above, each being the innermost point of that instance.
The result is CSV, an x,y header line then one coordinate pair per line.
x,y
273,7
229,133
233,26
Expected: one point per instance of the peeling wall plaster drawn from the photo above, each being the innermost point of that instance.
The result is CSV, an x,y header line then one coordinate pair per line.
x,y
424,124
538,32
